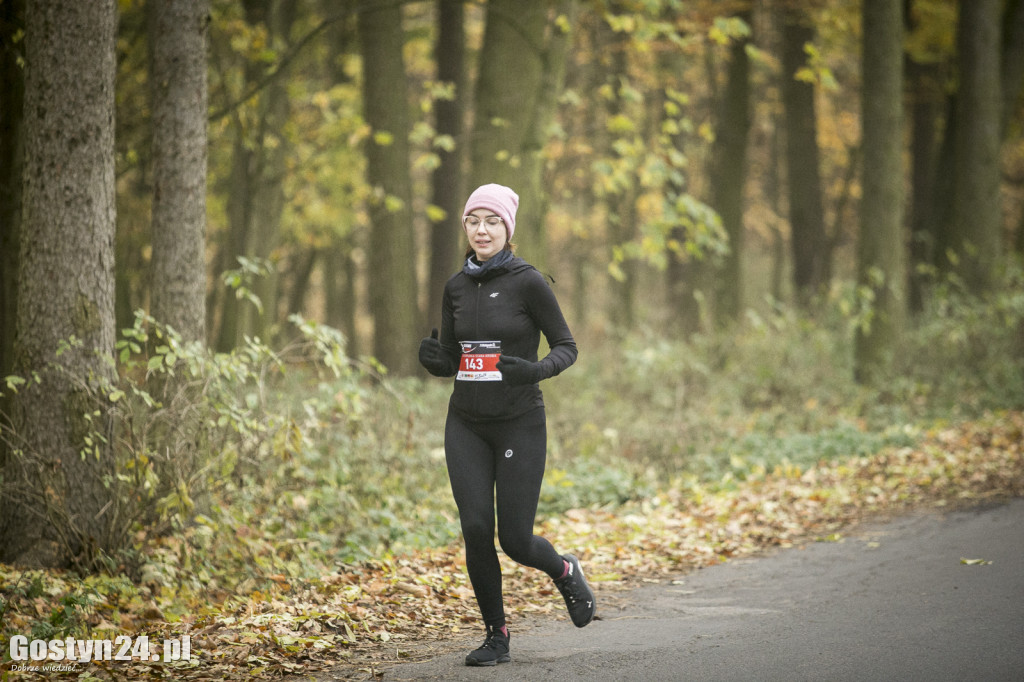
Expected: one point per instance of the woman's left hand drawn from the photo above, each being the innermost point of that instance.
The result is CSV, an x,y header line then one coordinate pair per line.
x,y
519,372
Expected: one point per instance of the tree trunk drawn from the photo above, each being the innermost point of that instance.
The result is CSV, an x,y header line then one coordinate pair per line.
x,y
1018,241
620,197
232,244
773,196
269,200
448,189
927,103
520,77
177,37
728,174
392,276
977,214
808,240
301,274
579,251
56,509
685,276
256,198
880,249
557,43
340,270
340,299
1012,59
12,85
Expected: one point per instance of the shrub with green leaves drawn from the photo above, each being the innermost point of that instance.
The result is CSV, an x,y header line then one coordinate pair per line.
x,y
192,428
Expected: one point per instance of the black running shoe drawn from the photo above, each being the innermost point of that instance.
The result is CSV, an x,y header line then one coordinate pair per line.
x,y
493,651
579,598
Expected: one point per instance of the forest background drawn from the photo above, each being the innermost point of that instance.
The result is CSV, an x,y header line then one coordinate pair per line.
x,y
782,233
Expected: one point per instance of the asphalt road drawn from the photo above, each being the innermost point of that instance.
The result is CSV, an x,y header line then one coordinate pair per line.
x,y
890,601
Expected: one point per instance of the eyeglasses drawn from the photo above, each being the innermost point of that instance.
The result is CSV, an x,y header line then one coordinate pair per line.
x,y
473,221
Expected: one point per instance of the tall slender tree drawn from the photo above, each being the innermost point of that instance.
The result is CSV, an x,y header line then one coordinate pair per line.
x,y
392,282
447,187
619,196
880,249
808,241
687,278
12,85
54,506
728,172
926,99
177,36
340,274
977,211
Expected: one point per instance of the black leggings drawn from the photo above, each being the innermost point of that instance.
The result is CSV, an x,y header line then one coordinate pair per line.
x,y
507,457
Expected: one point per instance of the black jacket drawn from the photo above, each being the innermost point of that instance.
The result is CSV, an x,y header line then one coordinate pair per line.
x,y
513,304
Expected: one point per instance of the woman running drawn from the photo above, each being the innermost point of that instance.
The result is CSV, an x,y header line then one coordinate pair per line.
x,y
493,313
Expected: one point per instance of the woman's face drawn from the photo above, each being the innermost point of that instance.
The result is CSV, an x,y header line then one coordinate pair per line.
x,y
485,232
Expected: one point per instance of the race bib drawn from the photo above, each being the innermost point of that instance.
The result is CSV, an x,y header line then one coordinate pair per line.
x,y
479,361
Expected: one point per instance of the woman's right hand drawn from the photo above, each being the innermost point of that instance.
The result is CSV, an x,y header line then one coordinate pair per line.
x,y
432,355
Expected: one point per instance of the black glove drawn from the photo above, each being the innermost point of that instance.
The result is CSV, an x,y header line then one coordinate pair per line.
x,y
432,356
519,372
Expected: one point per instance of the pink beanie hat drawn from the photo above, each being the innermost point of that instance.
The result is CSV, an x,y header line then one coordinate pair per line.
x,y
497,198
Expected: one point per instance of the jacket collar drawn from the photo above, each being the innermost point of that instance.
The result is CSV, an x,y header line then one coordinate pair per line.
x,y
502,261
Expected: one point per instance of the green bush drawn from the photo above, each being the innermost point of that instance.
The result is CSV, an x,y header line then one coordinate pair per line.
x,y
965,355
587,483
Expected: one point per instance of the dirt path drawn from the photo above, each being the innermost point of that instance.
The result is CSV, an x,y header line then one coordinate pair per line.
x,y
890,601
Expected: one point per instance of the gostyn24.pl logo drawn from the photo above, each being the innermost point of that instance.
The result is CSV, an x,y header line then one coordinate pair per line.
x,y
121,648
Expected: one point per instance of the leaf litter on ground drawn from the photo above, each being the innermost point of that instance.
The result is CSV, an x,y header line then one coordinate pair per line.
x,y
363,617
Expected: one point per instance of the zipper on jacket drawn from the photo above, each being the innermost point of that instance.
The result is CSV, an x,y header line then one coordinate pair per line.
x,y
476,386
479,288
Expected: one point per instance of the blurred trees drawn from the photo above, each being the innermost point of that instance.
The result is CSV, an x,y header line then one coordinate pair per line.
x,y
675,159
620,125
668,145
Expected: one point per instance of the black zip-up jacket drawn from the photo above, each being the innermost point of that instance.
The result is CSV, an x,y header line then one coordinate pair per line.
x,y
511,303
